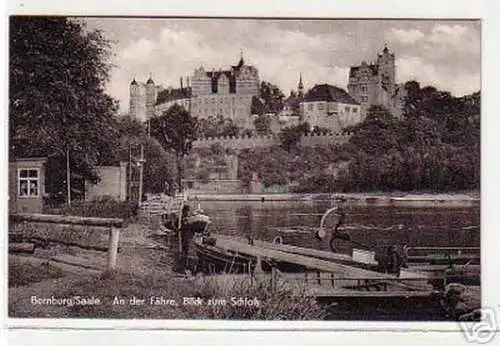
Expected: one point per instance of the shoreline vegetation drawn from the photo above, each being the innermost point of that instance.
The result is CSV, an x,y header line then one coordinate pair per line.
x,y
373,198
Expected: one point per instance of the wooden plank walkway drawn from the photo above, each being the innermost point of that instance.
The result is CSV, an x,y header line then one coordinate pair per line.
x,y
412,273
237,246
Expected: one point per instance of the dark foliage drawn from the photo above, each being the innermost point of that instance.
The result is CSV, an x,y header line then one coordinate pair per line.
x,y
104,206
175,130
436,146
57,104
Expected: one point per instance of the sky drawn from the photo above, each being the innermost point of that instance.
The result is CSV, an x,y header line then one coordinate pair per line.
x,y
444,54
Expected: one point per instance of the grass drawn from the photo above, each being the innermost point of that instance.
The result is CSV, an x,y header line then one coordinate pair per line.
x,y
21,274
110,288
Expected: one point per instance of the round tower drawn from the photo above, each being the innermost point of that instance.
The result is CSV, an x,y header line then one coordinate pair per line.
x,y
134,98
150,97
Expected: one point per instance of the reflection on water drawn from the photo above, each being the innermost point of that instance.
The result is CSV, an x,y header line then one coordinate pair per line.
x,y
372,226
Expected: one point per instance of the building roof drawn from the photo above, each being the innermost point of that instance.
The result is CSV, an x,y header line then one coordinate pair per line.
x,y
355,69
230,75
172,95
240,63
330,93
215,75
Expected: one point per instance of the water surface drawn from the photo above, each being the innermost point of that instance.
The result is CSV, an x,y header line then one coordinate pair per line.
x,y
372,226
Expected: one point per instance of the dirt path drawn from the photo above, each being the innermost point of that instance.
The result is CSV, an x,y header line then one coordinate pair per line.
x,y
142,254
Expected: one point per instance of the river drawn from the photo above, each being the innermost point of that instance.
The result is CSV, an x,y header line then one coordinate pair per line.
x,y
371,226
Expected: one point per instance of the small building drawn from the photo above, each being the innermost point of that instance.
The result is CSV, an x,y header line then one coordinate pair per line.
x,y
113,182
27,185
329,107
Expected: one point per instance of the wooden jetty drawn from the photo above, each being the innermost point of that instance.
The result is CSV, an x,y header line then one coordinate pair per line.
x,y
352,262
336,278
313,263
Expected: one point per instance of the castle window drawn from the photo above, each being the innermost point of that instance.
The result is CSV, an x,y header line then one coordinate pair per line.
x,y
364,98
320,106
354,110
28,182
347,109
310,107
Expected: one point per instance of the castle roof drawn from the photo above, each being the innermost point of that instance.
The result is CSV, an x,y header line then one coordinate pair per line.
x,y
168,95
230,74
240,64
215,75
330,93
355,69
150,81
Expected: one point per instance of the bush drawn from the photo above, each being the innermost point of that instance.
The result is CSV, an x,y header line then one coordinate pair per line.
x,y
285,303
103,206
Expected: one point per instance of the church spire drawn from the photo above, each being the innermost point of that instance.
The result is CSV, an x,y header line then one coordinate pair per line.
x,y
241,62
301,86
150,80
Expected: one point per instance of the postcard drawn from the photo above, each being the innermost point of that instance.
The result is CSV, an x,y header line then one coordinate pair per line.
x,y
245,173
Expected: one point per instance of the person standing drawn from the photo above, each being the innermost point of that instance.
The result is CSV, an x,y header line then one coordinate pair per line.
x,y
186,234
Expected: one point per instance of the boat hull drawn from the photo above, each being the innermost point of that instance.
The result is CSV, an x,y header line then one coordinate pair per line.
x,y
215,260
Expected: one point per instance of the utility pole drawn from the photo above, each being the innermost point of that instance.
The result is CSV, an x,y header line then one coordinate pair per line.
x,y
141,173
129,172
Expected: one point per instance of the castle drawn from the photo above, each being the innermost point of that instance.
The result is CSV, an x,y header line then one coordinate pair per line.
x,y
232,94
226,94
375,84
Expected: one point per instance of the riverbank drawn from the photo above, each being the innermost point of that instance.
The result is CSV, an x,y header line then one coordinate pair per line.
x,y
382,199
144,286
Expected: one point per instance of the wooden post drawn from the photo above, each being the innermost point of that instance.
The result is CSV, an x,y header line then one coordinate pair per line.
x,y
114,237
273,278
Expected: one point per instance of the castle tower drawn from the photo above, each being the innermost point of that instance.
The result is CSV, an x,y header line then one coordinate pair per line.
x,y
387,70
301,87
150,97
134,99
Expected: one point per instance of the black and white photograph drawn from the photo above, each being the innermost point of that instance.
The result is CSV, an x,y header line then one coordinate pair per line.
x,y
255,169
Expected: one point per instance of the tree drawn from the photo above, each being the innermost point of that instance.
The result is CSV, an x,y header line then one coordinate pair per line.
x,y
376,134
57,104
175,130
273,97
262,125
290,136
217,127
